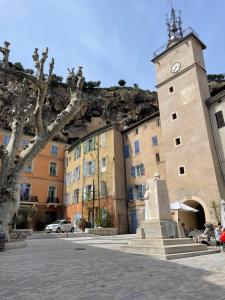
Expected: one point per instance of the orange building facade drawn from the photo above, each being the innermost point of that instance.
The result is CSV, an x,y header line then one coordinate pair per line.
x,y
41,194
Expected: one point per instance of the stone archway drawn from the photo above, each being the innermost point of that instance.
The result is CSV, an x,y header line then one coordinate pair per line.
x,y
194,220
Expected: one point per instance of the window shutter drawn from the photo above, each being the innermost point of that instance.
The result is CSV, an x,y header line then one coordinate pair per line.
x,y
126,151
130,193
133,171
103,189
136,147
142,169
85,169
93,167
140,191
94,144
143,190
84,194
102,140
85,146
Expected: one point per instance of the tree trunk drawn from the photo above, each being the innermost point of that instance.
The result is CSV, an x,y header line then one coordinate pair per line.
x,y
9,206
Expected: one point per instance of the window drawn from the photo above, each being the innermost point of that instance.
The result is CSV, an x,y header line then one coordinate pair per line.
x,y
25,191
89,145
157,122
102,140
103,164
88,192
89,168
177,141
136,131
171,89
130,193
54,150
29,168
5,140
157,158
219,119
137,170
53,168
181,170
77,152
51,194
136,192
136,147
76,196
126,151
103,189
174,116
154,140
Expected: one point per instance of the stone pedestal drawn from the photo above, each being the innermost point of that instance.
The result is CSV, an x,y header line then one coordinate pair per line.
x,y
158,234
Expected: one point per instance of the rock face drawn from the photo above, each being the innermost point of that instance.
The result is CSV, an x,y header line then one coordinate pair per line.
x,y
125,105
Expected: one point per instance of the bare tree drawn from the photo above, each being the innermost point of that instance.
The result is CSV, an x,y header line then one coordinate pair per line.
x,y
27,99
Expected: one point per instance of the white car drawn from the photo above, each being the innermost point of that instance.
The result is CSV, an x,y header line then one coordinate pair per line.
x,y
60,226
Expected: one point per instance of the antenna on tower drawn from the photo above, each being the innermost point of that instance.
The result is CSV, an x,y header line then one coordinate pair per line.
x,y
174,25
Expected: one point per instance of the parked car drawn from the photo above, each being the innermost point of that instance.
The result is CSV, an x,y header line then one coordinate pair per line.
x,y
60,226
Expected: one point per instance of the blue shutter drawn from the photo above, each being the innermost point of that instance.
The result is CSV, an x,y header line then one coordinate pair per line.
x,y
136,147
143,190
85,169
85,146
154,140
126,151
130,193
142,169
133,171
92,167
140,191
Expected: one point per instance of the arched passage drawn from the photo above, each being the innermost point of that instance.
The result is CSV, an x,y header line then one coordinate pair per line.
x,y
194,220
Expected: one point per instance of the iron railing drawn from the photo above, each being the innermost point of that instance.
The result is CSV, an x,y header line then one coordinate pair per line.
x,y
185,33
52,200
27,198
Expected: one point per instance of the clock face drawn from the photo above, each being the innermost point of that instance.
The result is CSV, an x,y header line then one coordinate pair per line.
x,y
175,67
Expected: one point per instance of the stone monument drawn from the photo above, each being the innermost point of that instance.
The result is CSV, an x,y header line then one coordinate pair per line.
x,y
158,234
158,220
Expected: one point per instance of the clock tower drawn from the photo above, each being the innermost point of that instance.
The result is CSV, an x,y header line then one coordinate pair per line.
x,y
193,172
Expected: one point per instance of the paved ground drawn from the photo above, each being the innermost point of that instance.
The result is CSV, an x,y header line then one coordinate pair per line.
x,y
87,268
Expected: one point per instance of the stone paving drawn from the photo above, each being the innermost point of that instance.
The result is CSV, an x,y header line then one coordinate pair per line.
x,y
94,268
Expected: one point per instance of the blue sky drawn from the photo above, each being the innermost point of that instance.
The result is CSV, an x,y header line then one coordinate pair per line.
x,y
112,39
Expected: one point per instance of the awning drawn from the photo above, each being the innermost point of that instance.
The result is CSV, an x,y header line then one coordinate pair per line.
x,y
181,207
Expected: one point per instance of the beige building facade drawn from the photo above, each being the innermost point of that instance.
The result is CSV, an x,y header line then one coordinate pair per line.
x,y
143,158
193,173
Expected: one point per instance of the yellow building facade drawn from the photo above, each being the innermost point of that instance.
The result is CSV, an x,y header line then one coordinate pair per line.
x,y
95,187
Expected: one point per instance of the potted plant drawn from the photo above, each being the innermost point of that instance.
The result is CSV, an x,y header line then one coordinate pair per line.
x,y
82,223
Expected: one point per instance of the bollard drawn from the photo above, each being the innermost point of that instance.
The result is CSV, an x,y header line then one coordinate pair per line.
x,y
2,241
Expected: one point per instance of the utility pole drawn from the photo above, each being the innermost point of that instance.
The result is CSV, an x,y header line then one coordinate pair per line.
x,y
93,206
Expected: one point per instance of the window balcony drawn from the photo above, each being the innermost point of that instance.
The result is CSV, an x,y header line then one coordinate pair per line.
x,y
53,200
27,198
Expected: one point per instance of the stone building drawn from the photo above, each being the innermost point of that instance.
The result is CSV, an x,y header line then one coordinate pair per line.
x,y
95,179
193,173
143,158
41,195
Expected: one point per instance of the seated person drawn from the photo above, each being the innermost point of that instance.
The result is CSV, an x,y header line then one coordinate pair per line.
x,y
206,235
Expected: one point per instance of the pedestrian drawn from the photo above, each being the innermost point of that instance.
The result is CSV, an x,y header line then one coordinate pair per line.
x,y
222,238
217,232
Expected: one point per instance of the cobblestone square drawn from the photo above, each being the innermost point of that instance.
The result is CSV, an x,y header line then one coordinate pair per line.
x,y
93,268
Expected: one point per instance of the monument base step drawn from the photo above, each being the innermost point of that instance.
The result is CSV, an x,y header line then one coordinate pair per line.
x,y
167,248
174,255
161,241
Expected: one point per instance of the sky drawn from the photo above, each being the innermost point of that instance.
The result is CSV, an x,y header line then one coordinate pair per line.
x,y
111,39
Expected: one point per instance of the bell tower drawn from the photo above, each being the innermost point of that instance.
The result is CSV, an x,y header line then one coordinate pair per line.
x,y
192,166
